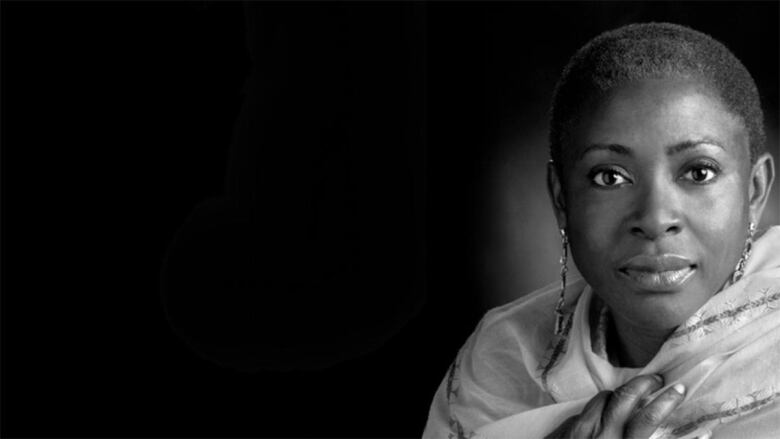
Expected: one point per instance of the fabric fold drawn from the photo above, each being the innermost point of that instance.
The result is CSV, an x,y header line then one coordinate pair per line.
x,y
522,381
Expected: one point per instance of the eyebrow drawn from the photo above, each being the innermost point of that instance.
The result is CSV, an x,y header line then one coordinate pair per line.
x,y
612,147
670,150
690,144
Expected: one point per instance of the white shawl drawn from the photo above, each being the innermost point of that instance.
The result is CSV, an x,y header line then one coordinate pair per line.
x,y
514,379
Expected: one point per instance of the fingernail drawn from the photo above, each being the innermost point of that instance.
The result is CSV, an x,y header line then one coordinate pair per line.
x,y
679,388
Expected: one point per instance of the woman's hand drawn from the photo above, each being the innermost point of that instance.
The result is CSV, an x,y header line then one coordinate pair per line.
x,y
623,413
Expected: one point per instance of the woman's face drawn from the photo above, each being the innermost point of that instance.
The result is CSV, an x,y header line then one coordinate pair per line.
x,y
657,199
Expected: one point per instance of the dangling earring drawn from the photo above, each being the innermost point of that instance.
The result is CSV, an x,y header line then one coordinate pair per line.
x,y
559,317
740,269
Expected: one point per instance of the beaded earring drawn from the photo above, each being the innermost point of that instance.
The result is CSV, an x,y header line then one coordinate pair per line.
x,y
740,269
559,317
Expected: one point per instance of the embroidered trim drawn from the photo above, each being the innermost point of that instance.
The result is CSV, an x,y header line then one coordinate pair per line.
x,y
451,389
728,314
557,352
457,431
736,411
600,333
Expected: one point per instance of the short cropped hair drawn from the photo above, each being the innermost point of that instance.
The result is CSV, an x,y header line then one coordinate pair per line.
x,y
653,50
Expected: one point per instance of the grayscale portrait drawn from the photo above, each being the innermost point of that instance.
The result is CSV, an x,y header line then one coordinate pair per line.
x,y
631,252
365,219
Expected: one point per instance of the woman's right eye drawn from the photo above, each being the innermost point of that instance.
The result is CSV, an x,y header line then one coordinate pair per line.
x,y
608,178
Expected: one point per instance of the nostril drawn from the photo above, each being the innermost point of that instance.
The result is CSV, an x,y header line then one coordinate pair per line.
x,y
654,232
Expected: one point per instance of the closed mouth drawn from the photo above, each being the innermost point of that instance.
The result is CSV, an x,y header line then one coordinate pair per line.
x,y
658,273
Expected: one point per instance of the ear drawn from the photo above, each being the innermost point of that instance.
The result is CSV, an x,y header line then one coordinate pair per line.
x,y
555,190
761,177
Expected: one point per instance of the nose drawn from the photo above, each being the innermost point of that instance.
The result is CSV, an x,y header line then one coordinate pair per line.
x,y
657,211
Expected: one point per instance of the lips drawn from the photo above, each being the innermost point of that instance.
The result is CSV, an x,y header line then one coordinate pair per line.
x,y
658,272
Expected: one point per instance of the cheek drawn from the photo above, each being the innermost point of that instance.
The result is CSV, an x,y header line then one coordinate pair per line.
x,y
594,226
719,221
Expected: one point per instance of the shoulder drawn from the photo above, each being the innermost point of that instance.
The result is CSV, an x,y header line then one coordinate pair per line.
x,y
528,321
497,371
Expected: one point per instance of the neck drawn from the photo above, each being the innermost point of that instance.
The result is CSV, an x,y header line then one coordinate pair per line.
x,y
634,347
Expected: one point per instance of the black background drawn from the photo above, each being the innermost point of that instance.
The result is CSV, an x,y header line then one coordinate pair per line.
x,y
118,120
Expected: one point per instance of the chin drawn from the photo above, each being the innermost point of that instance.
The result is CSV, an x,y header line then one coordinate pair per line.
x,y
663,312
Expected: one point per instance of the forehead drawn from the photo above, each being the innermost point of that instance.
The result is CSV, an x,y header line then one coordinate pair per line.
x,y
651,114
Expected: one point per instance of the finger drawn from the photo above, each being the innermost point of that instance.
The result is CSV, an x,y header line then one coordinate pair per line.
x,y
589,421
626,398
563,430
649,418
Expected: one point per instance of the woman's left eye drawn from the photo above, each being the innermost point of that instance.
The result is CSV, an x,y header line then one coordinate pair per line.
x,y
700,174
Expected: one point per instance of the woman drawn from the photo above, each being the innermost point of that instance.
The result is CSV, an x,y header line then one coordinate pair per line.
x,y
658,178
